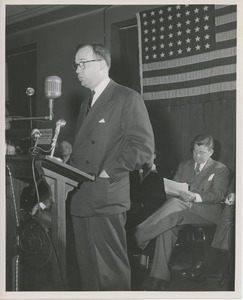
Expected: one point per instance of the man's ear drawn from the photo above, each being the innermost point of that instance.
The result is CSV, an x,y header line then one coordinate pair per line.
x,y
103,64
211,152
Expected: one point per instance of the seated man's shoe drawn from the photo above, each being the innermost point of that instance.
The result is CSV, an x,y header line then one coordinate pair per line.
x,y
196,273
156,284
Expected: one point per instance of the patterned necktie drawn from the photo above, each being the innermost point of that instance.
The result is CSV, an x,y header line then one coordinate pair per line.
x,y
197,169
90,101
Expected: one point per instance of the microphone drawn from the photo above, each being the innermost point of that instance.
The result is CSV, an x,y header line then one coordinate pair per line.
x,y
59,124
30,91
53,90
35,135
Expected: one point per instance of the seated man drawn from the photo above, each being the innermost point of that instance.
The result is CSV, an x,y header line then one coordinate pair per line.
x,y
217,256
65,149
148,194
208,181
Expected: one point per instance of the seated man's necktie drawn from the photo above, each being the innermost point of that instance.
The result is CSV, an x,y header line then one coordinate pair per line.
x,y
90,101
197,168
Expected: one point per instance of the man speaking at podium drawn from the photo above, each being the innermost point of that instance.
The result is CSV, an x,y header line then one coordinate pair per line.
x,y
113,137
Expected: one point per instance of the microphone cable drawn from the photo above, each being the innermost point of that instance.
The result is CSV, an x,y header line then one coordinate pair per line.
x,y
35,241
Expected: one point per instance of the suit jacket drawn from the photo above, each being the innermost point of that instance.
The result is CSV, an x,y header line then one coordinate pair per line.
x,y
115,136
211,184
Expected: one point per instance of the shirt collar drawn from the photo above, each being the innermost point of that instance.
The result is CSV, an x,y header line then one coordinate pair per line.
x,y
100,88
201,165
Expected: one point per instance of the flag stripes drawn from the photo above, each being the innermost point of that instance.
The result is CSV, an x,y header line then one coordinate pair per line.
x,y
202,74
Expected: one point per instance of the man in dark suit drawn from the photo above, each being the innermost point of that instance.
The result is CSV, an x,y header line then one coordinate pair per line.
x,y
113,137
208,182
220,255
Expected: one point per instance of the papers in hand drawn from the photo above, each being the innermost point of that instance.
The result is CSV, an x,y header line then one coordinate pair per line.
x,y
174,188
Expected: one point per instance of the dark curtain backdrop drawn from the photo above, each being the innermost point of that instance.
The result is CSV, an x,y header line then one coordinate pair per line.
x,y
21,64
175,124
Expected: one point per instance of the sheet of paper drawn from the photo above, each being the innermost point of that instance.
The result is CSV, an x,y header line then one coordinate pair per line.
x,y
174,188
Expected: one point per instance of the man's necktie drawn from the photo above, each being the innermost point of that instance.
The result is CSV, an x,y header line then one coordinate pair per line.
x,y
197,169
90,101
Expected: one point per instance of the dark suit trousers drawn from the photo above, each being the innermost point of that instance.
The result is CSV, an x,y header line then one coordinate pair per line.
x,y
164,225
102,253
224,231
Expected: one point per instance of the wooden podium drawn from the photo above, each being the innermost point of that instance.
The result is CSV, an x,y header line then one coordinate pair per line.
x,y
61,179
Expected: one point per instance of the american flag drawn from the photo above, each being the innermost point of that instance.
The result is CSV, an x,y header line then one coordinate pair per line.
x,y
188,52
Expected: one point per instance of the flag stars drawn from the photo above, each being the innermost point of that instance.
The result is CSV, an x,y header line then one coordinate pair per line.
x,y
181,29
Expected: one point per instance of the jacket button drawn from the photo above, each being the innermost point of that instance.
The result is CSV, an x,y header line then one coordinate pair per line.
x,y
92,142
87,162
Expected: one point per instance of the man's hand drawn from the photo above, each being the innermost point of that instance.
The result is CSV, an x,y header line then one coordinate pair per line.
x,y
36,207
230,199
188,196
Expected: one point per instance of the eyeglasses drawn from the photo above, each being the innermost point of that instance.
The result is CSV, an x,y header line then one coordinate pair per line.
x,y
82,64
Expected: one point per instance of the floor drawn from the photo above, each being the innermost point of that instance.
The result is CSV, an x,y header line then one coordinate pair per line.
x,y
35,278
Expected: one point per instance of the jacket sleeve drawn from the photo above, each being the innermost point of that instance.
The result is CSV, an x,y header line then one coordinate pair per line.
x,y
137,145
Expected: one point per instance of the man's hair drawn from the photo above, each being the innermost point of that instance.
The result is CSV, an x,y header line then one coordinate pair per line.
x,y
100,51
66,142
205,140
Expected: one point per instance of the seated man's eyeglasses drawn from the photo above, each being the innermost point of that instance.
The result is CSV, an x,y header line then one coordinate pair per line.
x,y
82,64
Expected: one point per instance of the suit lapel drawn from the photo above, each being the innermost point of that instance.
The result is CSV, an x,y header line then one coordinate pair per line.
x,y
86,124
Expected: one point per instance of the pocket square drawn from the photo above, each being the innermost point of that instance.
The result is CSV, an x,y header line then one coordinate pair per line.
x,y
102,121
210,178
